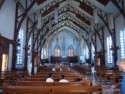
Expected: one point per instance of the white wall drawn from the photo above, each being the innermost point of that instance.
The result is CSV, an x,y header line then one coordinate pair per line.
x,y
7,21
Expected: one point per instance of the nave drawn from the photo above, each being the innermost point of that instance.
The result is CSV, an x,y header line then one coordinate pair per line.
x,y
87,36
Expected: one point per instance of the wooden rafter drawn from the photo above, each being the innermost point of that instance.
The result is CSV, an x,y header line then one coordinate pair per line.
x,y
64,18
47,21
40,1
19,18
104,2
86,6
120,5
99,31
65,23
1,3
50,7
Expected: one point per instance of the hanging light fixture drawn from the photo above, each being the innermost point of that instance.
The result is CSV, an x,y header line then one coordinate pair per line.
x,y
95,15
56,15
92,25
53,35
111,21
47,38
50,24
39,21
74,41
57,37
80,35
90,34
81,44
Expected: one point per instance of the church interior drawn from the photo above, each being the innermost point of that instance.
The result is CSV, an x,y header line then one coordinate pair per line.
x,y
81,39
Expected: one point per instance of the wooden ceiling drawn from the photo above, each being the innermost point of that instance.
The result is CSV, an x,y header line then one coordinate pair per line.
x,y
40,1
1,3
104,2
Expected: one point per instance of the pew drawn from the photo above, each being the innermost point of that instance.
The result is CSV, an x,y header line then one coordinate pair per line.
x,y
73,84
71,79
39,83
34,83
77,89
9,89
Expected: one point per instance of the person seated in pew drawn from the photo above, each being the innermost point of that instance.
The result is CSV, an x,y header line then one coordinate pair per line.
x,y
57,66
63,79
49,79
121,65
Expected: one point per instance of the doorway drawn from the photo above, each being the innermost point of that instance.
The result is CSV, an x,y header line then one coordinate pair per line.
x,y
4,62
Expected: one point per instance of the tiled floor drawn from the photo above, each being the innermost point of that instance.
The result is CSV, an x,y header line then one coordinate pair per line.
x,y
106,88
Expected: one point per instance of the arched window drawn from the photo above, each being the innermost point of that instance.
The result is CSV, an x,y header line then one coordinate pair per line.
x,y
57,51
20,48
70,51
122,43
109,51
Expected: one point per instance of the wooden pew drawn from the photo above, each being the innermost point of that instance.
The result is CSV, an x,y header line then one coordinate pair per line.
x,y
73,84
83,69
37,83
34,83
8,89
71,79
77,89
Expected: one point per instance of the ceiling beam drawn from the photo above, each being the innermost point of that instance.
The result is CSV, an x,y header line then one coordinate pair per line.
x,y
1,3
52,8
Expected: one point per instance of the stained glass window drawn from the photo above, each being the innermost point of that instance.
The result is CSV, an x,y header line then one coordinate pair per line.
x,y
70,51
57,51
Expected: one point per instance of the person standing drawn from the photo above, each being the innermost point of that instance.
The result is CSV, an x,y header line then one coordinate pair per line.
x,y
121,65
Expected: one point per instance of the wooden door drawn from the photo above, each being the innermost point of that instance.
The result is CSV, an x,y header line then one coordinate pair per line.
x,y
1,54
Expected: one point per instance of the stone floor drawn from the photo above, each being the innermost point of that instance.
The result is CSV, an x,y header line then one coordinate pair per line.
x,y
106,87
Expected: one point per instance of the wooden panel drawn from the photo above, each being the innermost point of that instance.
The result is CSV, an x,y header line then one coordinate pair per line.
x,y
83,19
54,59
104,2
1,57
40,1
86,8
73,59
1,3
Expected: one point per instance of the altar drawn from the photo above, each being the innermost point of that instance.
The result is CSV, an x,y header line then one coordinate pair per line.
x,y
70,59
